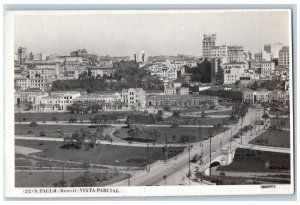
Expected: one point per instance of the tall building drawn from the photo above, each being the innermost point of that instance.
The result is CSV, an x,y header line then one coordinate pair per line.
x,y
208,42
284,58
219,51
236,54
22,54
273,49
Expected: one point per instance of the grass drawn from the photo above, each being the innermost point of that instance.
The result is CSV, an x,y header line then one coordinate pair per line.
x,y
49,129
173,134
273,138
101,154
64,116
227,112
246,160
47,178
195,120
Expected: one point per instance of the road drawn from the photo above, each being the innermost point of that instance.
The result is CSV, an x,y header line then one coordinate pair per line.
x,y
113,125
159,170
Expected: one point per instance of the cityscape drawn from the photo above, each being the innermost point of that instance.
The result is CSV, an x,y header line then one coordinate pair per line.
x,y
221,117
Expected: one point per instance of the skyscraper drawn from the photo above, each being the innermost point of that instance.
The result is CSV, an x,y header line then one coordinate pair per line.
x,y
209,41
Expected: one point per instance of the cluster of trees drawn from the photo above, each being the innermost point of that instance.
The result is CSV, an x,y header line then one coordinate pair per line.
x,y
201,73
143,119
139,134
239,110
84,139
127,75
274,84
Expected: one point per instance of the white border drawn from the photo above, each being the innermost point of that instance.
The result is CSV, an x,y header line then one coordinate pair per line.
x,y
11,191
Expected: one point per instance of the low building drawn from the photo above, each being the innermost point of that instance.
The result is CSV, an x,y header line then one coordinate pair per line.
x,y
180,100
108,101
279,97
103,71
256,96
26,95
22,82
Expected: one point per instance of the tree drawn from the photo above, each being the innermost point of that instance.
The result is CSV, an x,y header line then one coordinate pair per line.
x,y
202,114
33,124
42,133
29,105
265,116
89,73
176,113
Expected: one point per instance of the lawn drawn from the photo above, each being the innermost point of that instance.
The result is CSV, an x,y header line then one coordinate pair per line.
x,y
101,154
49,129
173,134
29,117
246,160
47,178
195,120
273,138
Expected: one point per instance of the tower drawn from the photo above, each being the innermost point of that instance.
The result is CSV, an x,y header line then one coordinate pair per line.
x,y
209,41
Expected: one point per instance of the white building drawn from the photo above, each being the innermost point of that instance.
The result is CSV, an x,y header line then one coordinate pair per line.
x,y
233,71
134,97
236,54
219,52
266,68
273,49
56,101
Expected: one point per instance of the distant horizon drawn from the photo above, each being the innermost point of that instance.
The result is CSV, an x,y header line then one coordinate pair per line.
x,y
156,33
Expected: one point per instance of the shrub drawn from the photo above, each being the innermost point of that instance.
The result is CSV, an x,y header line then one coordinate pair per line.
x,y
33,124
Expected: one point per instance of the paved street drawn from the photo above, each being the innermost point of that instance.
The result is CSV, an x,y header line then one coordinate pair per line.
x,y
178,164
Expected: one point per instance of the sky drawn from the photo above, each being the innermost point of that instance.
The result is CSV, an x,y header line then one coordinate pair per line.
x,y
156,33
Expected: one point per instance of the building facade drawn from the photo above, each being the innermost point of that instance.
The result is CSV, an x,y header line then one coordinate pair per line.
x,y
180,100
134,97
236,54
233,71
284,57
208,42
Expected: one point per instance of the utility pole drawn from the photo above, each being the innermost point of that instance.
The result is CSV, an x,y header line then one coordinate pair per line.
x,y
166,150
210,154
242,131
220,146
147,153
128,180
189,163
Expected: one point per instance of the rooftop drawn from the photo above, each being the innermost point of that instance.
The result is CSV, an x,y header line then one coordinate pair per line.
x,y
65,92
54,97
32,90
234,63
